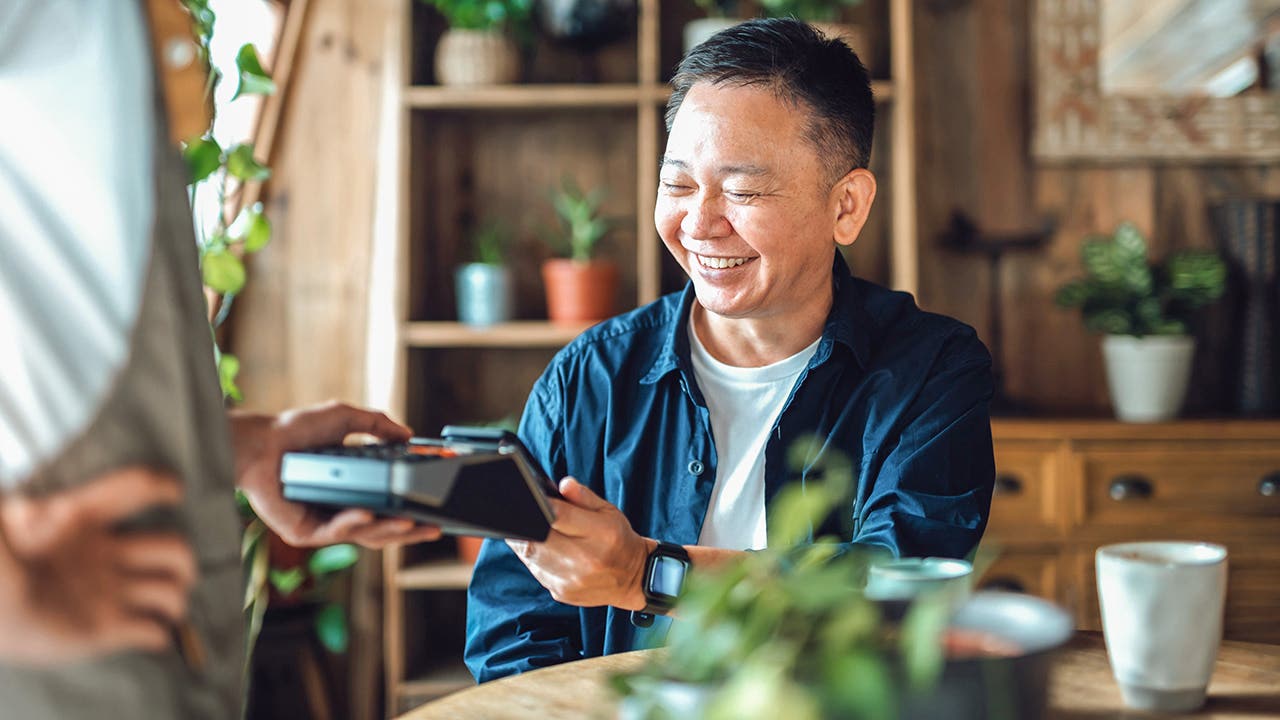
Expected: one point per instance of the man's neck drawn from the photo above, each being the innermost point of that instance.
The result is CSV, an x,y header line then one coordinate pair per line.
x,y
756,342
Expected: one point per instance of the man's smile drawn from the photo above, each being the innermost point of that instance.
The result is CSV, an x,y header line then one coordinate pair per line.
x,y
720,263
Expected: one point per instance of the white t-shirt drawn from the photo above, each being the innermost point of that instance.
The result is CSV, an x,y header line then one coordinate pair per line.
x,y
744,404
76,207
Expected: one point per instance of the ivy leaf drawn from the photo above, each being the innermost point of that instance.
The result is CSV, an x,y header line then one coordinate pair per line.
x,y
203,157
331,627
253,79
240,163
228,369
223,271
333,558
286,582
252,228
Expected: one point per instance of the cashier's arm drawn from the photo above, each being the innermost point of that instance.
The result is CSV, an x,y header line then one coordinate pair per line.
x,y
592,556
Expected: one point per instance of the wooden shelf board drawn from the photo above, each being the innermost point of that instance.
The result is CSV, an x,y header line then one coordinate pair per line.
x,y
445,679
531,334
434,575
532,96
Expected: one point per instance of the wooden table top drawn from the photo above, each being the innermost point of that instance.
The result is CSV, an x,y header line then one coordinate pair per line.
x,y
1245,686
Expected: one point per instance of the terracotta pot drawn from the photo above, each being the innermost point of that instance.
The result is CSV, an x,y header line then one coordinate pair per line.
x,y
476,57
469,548
580,292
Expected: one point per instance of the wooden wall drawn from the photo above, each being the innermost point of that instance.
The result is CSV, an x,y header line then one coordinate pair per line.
x,y
299,329
974,84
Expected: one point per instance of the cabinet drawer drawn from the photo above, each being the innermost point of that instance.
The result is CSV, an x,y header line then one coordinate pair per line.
x,y
1034,573
1151,488
1253,592
1027,489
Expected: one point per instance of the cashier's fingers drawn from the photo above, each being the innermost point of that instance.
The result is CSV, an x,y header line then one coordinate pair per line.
x,y
157,597
156,555
362,527
394,532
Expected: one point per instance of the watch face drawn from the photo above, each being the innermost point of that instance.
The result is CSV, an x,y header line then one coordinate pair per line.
x,y
667,577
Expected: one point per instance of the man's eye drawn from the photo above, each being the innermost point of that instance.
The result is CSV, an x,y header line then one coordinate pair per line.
x,y
673,187
741,196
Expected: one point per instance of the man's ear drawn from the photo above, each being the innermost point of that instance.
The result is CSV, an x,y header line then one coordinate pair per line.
x,y
851,200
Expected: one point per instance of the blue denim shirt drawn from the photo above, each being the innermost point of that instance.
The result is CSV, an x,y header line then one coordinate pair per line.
x,y
902,390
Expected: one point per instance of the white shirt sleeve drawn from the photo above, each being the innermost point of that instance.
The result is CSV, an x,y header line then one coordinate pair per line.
x,y
76,212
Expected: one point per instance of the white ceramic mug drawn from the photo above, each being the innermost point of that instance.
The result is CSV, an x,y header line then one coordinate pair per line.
x,y
1161,608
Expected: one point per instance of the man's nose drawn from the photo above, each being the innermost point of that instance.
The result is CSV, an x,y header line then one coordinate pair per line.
x,y
704,218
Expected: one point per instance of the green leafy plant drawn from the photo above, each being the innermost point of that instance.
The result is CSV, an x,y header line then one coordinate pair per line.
x,y
484,14
489,244
310,580
223,244
807,10
786,631
579,214
1124,293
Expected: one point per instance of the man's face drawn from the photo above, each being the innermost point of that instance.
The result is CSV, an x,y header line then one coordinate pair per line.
x,y
743,204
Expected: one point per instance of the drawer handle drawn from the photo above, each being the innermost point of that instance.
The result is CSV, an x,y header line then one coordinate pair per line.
x,y
1269,486
1008,485
1006,584
1130,487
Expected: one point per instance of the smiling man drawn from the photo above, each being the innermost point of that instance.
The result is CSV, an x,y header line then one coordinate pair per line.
x,y
670,424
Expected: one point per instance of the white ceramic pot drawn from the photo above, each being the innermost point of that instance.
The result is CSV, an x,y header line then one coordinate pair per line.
x,y
695,31
476,57
1148,376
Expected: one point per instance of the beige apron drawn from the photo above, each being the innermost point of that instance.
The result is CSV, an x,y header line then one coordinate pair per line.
x,y
165,410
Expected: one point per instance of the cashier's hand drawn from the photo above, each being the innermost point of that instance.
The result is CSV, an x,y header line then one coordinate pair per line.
x,y
260,443
73,587
592,556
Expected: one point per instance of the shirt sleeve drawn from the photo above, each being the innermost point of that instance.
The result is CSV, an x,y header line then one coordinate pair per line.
x,y
513,623
931,493
76,209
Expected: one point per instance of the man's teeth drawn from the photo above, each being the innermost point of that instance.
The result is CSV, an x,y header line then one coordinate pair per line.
x,y
720,263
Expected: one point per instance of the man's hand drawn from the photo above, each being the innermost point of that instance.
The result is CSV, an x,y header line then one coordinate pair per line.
x,y
592,556
73,587
262,440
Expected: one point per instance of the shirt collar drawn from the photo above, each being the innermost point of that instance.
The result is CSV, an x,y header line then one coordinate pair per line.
x,y
848,324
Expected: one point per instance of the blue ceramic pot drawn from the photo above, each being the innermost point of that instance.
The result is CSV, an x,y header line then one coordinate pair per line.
x,y
484,294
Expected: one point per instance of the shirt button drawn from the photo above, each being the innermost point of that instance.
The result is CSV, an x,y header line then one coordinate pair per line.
x,y
695,467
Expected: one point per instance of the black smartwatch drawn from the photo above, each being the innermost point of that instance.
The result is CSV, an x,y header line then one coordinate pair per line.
x,y
664,572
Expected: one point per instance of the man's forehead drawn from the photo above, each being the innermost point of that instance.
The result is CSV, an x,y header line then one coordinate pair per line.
x,y
753,169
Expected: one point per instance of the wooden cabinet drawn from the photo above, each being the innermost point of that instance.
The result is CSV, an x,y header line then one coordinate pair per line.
x,y
1115,482
453,159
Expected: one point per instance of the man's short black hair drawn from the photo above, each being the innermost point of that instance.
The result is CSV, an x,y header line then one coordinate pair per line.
x,y
804,68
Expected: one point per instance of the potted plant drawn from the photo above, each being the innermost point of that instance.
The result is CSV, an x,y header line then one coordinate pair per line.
x,y
580,288
476,49
1144,310
721,14
824,15
483,287
788,632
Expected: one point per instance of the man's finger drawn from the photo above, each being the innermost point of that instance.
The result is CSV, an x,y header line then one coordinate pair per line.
x,y
578,522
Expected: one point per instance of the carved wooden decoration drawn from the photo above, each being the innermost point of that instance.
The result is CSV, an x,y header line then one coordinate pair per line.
x,y
1075,120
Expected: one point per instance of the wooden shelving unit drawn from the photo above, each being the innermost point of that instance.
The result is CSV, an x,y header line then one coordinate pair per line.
x,y
458,155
